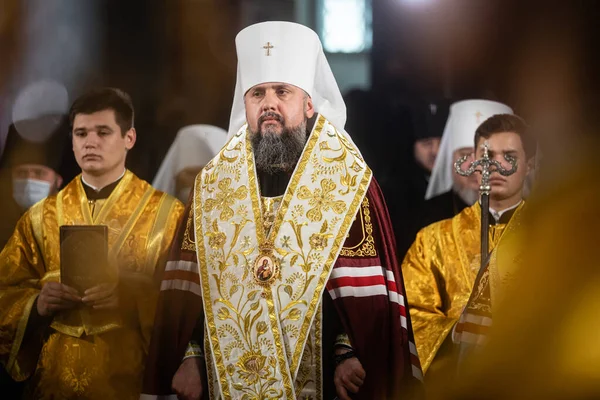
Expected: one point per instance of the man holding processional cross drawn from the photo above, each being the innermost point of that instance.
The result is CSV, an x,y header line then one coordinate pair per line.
x,y
451,280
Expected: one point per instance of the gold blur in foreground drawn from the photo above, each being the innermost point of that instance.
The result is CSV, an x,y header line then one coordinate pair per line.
x,y
439,272
87,354
545,343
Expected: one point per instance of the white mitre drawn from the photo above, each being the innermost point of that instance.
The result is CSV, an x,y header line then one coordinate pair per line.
x,y
285,52
464,119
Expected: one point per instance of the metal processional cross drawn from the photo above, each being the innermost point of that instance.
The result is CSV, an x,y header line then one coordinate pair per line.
x,y
485,166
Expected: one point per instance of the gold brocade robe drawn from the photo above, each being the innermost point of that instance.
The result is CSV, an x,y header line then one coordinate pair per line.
x,y
85,353
439,273
545,342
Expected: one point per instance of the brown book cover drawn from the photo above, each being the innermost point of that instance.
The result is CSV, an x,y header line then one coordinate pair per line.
x,y
84,256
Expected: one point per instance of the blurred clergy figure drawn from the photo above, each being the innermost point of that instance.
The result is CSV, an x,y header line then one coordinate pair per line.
x,y
34,151
193,147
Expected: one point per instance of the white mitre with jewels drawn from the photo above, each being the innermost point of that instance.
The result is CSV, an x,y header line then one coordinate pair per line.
x,y
285,52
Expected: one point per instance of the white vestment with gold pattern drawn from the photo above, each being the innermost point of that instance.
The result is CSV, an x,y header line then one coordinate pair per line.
x,y
262,288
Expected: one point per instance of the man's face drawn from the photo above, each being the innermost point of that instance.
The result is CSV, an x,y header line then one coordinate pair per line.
x,y
271,107
38,172
501,144
277,115
98,144
426,151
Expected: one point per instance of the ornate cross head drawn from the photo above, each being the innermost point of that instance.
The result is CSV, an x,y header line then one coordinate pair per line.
x,y
485,166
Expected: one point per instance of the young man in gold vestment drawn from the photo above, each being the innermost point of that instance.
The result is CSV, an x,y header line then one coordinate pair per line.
x,y
442,264
90,344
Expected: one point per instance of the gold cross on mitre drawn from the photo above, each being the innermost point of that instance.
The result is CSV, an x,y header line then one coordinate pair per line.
x,y
478,115
268,48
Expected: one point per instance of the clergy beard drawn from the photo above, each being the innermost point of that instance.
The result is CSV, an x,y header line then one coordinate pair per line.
x,y
278,152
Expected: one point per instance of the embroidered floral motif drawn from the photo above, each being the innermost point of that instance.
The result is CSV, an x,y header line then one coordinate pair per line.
x,y
285,242
79,380
242,211
366,245
216,238
297,212
261,327
318,241
189,240
321,200
225,199
246,242
252,367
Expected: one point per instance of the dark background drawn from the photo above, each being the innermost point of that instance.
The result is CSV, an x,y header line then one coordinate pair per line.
x,y
177,58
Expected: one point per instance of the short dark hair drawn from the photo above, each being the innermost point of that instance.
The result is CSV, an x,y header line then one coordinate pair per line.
x,y
105,99
507,123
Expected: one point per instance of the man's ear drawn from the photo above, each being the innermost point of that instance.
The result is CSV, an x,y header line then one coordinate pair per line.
x,y
310,108
530,165
130,137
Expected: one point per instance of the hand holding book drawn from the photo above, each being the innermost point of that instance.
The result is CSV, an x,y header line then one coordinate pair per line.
x,y
102,297
55,297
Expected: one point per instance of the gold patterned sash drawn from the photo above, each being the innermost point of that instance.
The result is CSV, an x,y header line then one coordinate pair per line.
x,y
261,291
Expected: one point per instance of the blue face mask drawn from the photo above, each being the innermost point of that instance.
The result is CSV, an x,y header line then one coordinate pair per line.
x,y
27,192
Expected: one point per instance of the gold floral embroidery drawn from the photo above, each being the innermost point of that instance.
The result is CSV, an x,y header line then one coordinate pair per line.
x,y
297,284
321,200
336,164
232,164
366,246
239,307
242,211
246,242
225,199
252,367
80,380
250,327
216,238
188,243
261,328
308,380
318,241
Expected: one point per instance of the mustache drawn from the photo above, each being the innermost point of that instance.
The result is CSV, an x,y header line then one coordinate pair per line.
x,y
270,115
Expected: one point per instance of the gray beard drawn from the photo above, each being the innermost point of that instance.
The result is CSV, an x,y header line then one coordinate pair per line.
x,y
274,152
